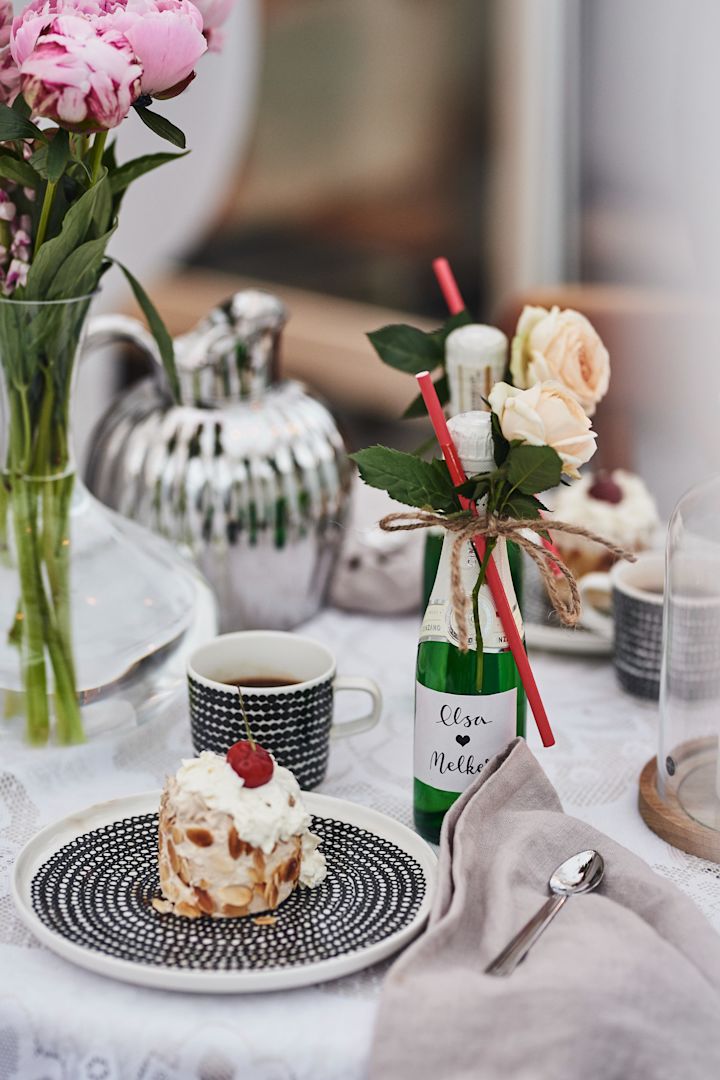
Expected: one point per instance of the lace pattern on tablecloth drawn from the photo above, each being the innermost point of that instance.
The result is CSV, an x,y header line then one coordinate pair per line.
x,y
58,1022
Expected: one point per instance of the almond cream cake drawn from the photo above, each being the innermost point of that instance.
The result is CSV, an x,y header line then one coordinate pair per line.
x,y
234,839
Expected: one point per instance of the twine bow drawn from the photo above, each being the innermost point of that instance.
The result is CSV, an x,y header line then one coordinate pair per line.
x,y
551,566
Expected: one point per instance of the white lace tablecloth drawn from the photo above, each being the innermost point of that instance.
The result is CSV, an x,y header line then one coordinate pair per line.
x,y
58,1022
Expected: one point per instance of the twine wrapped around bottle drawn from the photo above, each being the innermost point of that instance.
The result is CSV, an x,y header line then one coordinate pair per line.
x,y
552,568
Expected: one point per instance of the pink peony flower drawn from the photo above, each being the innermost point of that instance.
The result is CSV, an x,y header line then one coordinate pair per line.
x,y
82,77
6,19
167,38
9,77
9,74
38,15
214,13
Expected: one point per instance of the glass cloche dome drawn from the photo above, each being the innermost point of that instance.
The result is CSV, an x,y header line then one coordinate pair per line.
x,y
688,764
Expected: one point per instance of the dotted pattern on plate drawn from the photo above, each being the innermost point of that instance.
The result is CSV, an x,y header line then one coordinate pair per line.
x,y
96,892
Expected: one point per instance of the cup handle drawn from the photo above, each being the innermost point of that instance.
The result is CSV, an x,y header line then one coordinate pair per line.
x,y
363,723
597,621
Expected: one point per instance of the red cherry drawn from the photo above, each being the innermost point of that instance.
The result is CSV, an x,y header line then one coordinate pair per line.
x,y
606,490
252,762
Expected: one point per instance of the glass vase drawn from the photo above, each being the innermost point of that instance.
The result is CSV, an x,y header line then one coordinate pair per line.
x,y
93,609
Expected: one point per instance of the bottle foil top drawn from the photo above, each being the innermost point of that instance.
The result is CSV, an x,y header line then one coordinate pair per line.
x,y
472,435
477,344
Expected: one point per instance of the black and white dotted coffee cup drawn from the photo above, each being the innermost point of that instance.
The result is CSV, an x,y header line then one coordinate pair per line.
x,y
636,623
294,722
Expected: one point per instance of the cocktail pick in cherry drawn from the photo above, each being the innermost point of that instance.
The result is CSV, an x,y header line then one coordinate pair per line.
x,y
248,759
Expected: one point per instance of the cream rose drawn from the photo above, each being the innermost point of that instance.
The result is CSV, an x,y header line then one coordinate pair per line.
x,y
560,345
546,415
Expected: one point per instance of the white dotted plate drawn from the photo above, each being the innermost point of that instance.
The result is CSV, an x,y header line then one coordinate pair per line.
x,y
84,886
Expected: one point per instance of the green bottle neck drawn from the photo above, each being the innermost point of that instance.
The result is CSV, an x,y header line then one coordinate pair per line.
x,y
440,623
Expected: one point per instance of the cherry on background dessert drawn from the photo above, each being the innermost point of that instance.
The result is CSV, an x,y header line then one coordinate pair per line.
x,y
616,505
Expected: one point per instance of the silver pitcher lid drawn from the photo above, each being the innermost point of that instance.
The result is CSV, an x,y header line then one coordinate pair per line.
x,y
233,353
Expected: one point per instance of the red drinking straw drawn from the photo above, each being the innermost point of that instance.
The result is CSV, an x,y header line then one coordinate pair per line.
x,y
457,474
448,285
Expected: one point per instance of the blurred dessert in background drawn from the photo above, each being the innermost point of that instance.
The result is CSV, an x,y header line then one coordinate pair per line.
x,y
616,505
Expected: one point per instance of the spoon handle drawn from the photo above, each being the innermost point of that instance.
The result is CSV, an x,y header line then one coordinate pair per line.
x,y
506,961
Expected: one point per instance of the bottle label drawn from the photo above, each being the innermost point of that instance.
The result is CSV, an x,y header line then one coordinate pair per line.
x,y
471,386
440,624
470,382
456,735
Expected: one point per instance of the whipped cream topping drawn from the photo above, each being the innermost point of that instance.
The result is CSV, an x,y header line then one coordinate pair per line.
x,y
313,868
631,522
263,815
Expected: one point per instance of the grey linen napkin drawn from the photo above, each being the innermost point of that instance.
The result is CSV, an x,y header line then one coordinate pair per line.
x,y
624,984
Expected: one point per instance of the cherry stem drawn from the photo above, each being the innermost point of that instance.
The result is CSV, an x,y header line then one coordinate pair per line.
x,y
252,742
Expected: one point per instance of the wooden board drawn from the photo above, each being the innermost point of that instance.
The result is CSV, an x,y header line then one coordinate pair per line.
x,y
668,819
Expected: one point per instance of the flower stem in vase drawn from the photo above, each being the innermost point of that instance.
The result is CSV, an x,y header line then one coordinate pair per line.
x,y
40,494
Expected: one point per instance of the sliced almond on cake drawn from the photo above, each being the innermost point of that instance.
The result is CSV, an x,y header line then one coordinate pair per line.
x,y
237,895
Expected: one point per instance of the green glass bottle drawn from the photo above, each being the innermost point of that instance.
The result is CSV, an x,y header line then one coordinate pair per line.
x,y
459,728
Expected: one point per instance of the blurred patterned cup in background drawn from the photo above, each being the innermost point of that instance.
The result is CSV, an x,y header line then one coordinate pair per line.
x,y
636,623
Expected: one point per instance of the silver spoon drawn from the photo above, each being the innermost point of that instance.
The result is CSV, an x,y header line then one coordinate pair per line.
x,y
581,873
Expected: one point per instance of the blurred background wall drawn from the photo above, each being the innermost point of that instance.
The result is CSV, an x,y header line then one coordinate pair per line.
x,y
555,150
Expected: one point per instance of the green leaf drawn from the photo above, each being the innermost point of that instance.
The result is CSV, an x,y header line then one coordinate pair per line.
x,y
406,348
102,211
425,446
14,126
39,161
157,329
463,318
110,157
533,468
476,487
132,170
523,506
161,126
21,107
80,273
407,478
77,223
501,447
18,170
417,405
58,155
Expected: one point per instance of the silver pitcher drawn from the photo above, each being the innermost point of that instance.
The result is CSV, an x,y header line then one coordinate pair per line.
x,y
249,474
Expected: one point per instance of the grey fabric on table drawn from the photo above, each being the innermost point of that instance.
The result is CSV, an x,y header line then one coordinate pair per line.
x,y
624,984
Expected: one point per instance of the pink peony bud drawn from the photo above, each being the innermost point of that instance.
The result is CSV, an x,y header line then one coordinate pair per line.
x,y
214,13
80,76
167,38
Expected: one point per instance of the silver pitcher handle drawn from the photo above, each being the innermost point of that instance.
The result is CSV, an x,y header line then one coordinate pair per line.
x,y
106,330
